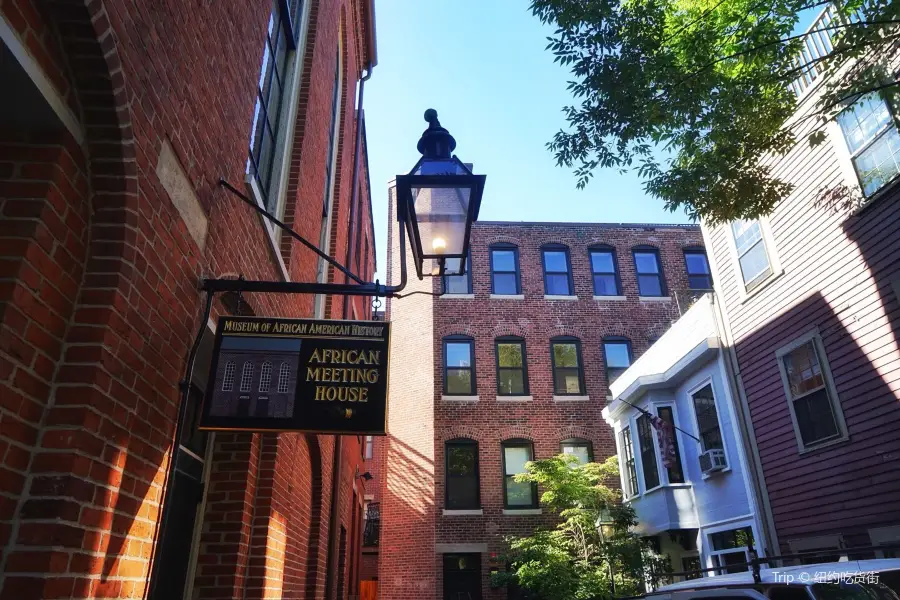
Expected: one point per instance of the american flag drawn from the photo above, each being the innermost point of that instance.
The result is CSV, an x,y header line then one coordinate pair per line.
x,y
665,435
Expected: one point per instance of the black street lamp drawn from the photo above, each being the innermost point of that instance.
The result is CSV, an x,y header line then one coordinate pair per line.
x,y
439,200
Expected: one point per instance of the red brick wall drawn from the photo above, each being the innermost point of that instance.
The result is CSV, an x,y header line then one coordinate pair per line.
x,y
99,300
417,434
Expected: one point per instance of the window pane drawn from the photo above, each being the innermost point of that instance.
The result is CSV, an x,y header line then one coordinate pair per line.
x,y
565,355
880,162
803,370
461,460
649,285
733,538
866,117
628,455
613,374
746,234
815,417
735,562
579,451
515,458
558,285
511,381
754,263
617,354
646,262
505,284
700,282
459,381
462,493
566,381
555,261
707,419
509,355
648,452
697,264
504,260
518,493
458,284
605,285
459,354
602,262
676,475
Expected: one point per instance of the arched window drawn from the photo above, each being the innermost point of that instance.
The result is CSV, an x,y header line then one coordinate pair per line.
x,y
228,376
617,355
459,366
265,377
605,271
568,375
697,265
284,372
461,475
505,270
515,453
512,367
649,271
246,376
557,270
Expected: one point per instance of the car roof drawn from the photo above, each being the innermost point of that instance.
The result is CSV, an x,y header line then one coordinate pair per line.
x,y
780,574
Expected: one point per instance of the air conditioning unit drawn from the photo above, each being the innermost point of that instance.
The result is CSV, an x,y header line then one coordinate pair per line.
x,y
712,461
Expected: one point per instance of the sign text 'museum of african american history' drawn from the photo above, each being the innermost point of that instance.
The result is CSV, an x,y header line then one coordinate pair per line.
x,y
298,375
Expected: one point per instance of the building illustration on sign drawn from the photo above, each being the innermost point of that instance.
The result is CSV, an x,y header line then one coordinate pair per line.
x,y
256,377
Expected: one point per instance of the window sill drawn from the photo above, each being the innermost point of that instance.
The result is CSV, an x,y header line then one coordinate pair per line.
x,y
515,398
270,233
507,296
611,298
664,486
571,398
476,512
513,512
745,295
552,297
706,476
655,298
446,398
829,444
457,296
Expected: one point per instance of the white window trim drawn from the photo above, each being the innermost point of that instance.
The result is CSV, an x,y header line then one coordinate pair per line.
x,y
611,298
813,336
555,297
507,296
661,468
768,240
710,553
620,451
448,296
708,380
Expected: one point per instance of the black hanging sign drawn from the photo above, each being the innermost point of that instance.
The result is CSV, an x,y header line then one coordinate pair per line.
x,y
309,375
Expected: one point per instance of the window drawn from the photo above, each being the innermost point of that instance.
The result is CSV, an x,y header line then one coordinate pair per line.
x,y
649,272
697,264
568,379
265,377
605,272
631,486
517,494
581,449
809,393
228,377
512,372
330,170
729,549
272,96
557,271
751,251
459,366
462,576
284,373
707,419
691,564
457,284
647,448
674,473
617,352
872,138
246,376
505,270
369,447
461,457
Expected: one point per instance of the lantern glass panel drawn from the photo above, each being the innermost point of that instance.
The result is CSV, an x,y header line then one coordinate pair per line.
x,y
442,209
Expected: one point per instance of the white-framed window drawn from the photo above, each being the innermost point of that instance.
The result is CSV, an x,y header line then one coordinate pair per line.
x,y
729,549
647,447
754,262
246,376
629,474
812,398
870,132
707,415
675,472
265,377
228,376
369,448
276,93
284,373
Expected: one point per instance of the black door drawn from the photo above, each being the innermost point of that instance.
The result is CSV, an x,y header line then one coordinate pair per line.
x,y
462,577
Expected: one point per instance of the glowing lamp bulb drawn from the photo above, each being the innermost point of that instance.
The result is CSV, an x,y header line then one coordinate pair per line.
x,y
438,245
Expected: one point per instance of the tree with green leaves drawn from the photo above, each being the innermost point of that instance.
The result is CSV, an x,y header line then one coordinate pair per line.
x,y
576,559
695,95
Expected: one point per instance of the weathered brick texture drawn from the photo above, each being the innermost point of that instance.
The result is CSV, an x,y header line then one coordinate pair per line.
x,y
421,421
99,297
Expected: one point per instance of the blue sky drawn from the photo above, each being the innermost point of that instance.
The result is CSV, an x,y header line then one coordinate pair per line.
x,y
483,67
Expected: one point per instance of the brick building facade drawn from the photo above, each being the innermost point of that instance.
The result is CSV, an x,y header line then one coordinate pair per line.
x,y
540,403
117,121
